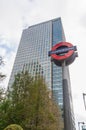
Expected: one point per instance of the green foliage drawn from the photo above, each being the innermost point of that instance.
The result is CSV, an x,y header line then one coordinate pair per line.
x,y
2,100
4,113
1,94
1,78
29,105
13,127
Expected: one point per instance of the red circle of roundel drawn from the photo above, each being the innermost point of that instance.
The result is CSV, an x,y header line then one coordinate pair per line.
x,y
65,56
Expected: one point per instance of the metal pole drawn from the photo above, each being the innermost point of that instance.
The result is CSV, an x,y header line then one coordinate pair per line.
x,y
84,100
66,98
63,70
65,85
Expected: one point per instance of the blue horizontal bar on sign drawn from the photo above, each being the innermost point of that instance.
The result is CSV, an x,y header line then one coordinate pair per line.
x,y
62,50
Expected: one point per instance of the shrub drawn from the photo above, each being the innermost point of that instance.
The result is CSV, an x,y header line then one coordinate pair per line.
x,y
13,127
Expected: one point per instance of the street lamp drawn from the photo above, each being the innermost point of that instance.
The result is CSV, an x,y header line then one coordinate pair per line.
x,y
79,124
84,94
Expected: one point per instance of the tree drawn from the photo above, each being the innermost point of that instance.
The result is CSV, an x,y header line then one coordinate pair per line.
x,y
45,113
4,113
13,127
3,102
30,106
2,76
1,94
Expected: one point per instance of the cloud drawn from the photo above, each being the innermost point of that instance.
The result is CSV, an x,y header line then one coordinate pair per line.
x,y
12,16
2,52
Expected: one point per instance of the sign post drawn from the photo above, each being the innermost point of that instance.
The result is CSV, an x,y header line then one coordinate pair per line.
x,y
63,54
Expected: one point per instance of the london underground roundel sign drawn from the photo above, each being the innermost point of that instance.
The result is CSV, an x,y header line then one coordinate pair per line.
x,y
63,51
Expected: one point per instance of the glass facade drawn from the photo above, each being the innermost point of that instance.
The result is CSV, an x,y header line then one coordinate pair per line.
x,y
33,52
32,55
57,36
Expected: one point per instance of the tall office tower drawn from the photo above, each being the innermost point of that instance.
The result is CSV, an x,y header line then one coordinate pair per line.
x,y
32,55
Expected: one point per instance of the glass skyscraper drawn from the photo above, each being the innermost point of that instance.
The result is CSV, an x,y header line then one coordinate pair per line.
x,y
32,55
